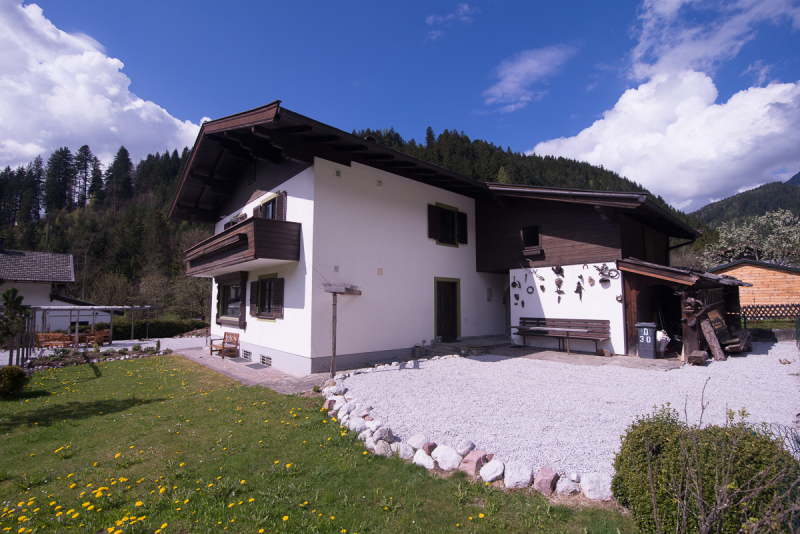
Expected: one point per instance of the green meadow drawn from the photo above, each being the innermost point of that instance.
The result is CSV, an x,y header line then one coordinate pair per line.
x,y
163,445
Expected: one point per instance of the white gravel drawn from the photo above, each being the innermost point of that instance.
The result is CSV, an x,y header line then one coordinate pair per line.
x,y
570,417
166,343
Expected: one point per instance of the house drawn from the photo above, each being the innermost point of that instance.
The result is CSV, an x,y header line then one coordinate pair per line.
x,y
297,204
773,285
40,278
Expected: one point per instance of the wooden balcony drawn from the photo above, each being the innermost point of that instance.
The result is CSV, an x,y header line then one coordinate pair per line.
x,y
251,244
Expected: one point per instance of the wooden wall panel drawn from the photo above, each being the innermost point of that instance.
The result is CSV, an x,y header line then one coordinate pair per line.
x,y
642,242
771,285
268,177
570,234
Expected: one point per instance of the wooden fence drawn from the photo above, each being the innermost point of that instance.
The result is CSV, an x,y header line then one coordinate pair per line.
x,y
757,312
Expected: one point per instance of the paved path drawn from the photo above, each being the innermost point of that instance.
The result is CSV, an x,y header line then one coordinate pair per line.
x,y
252,374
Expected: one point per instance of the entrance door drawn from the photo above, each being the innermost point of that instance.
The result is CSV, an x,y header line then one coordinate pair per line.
x,y
447,310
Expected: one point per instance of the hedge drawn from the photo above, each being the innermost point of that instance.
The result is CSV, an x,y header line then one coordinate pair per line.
x,y
750,451
158,328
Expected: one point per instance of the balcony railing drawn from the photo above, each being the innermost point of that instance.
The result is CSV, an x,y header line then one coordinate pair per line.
x,y
260,242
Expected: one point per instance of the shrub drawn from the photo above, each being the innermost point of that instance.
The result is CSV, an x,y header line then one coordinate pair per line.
x,y
680,478
158,328
12,380
137,347
95,348
123,350
108,352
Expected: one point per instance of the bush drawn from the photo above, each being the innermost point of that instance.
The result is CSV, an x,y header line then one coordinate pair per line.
x,y
158,328
137,347
703,479
12,380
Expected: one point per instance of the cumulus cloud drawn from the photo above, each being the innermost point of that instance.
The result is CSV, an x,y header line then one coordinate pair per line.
x,y
517,74
670,134
60,89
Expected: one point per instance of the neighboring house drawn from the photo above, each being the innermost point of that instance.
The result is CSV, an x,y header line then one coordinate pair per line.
x,y
296,204
40,277
772,283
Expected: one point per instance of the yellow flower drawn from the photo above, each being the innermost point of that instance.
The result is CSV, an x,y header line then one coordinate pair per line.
x,y
164,526
230,505
162,490
139,503
242,482
285,518
181,465
251,499
332,518
480,515
365,452
288,466
118,455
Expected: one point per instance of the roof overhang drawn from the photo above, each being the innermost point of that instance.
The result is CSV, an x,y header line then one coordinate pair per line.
x,y
677,275
638,206
226,147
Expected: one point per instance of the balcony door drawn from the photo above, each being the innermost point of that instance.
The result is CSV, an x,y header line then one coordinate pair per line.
x,y
447,309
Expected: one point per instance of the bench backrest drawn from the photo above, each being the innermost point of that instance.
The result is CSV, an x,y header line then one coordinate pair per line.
x,y
231,337
594,326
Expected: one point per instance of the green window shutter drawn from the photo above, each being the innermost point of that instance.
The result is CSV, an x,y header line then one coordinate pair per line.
x,y
277,298
280,206
433,221
461,228
254,299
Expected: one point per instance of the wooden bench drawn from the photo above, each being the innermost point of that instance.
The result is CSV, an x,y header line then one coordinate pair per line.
x,y
229,345
101,337
564,329
51,341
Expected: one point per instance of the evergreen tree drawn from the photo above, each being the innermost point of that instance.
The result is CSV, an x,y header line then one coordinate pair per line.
x,y
119,182
58,179
83,175
96,192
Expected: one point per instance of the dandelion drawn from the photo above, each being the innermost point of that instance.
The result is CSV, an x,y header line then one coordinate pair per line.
x,y
242,482
365,452
332,518
163,526
480,515
139,503
251,499
182,464
285,518
289,465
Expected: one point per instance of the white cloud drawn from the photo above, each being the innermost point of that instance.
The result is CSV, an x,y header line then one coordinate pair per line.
x,y
59,89
670,135
463,13
670,39
518,73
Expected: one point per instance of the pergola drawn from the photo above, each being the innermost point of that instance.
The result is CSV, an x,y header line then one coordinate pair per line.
x,y
46,310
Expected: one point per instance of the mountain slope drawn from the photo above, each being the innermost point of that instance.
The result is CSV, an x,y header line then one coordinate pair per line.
x,y
794,180
768,197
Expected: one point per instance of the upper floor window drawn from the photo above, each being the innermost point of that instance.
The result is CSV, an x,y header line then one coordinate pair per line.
x,y
274,208
447,225
531,240
231,299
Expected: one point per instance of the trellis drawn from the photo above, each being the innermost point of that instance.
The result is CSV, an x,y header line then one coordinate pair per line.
x,y
758,312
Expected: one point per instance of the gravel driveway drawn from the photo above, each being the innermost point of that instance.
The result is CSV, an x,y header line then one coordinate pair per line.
x,y
566,416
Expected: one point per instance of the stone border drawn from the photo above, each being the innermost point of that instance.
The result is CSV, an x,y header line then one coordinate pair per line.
x,y
477,464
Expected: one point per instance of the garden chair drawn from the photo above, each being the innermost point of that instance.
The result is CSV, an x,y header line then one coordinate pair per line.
x,y
228,345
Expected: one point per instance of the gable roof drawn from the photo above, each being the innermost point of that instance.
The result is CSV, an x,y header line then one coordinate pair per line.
x,y
681,275
26,266
226,147
756,263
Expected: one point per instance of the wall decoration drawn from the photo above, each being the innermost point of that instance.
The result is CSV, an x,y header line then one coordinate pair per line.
x,y
530,290
558,270
591,281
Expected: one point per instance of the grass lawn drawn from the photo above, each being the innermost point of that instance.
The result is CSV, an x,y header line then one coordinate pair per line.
x,y
167,446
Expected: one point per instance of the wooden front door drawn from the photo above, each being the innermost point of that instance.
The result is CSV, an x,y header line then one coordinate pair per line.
x,y
447,310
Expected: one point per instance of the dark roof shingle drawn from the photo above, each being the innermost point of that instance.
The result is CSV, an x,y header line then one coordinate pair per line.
x,y
25,266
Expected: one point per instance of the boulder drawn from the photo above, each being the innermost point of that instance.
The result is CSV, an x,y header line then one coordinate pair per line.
x,y
340,377
361,411
346,409
357,424
472,462
383,448
365,435
429,448
492,471
403,450
338,402
328,404
597,486
369,443
575,477
383,433
333,413
422,458
465,447
447,457
489,457
337,390
567,487
374,424
417,441
517,475
545,481
343,420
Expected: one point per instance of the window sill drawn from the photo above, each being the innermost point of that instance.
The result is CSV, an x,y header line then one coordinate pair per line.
x,y
532,251
230,321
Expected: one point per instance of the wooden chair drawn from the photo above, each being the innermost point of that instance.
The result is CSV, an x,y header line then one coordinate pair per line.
x,y
228,345
101,337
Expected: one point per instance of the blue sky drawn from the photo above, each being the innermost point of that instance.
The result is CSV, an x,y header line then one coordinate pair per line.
x,y
695,100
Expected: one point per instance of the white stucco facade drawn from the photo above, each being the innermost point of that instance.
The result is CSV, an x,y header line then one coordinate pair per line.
x,y
368,228
596,302
38,294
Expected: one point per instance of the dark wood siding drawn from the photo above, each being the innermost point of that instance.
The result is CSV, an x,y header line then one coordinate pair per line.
x,y
251,239
570,234
268,177
642,242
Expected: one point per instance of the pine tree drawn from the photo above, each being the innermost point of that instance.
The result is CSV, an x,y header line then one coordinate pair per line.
x,y
96,192
119,182
83,171
58,179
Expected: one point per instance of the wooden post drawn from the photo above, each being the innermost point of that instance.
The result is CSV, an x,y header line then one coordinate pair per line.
x,y
713,342
77,322
333,338
111,327
132,321
147,322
